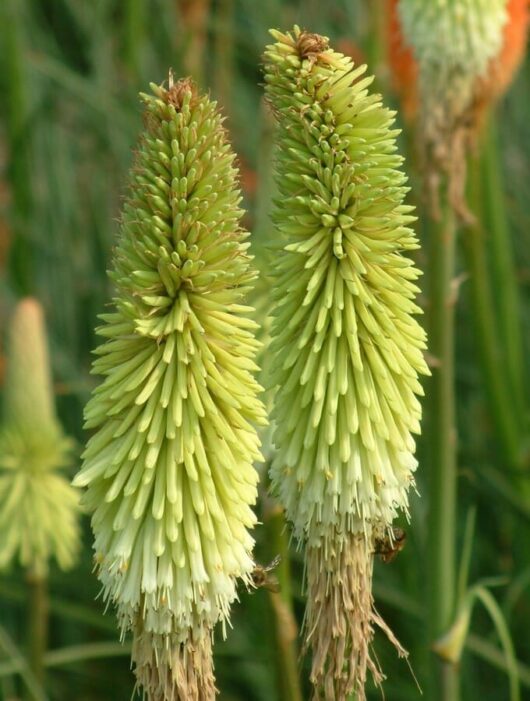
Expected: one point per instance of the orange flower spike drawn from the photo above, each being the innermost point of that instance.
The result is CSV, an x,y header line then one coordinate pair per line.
x,y
502,69
402,64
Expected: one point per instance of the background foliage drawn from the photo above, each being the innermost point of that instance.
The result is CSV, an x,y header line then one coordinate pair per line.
x,y
70,73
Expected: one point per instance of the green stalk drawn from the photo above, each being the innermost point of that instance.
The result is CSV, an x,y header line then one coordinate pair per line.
x,y
70,655
37,624
443,477
375,51
32,685
16,120
194,16
281,604
224,43
489,330
134,24
503,269
63,609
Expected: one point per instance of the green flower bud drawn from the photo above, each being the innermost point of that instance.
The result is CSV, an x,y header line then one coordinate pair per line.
x,y
454,42
169,471
38,507
346,349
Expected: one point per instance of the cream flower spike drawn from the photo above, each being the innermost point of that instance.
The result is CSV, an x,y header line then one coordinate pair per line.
x,y
38,508
346,348
169,470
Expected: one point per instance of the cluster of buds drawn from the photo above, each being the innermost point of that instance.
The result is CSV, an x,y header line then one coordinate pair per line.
x,y
346,348
169,470
38,507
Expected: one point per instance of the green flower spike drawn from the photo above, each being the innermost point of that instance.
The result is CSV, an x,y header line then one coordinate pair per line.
x,y
169,469
454,42
38,507
347,350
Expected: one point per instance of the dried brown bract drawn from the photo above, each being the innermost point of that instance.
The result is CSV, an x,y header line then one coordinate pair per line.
x,y
175,672
176,91
341,619
309,45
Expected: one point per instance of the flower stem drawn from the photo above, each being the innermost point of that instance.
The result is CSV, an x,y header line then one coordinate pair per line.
x,y
134,29
489,329
285,628
503,268
224,79
17,140
443,477
194,18
37,623
34,689
377,34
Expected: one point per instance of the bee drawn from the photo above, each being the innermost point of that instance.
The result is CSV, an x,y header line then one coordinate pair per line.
x,y
261,576
388,547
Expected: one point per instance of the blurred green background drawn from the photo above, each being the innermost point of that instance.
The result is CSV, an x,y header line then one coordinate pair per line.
x,y
70,71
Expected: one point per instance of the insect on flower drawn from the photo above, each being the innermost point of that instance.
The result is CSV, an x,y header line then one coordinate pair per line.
x,y
261,577
388,546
